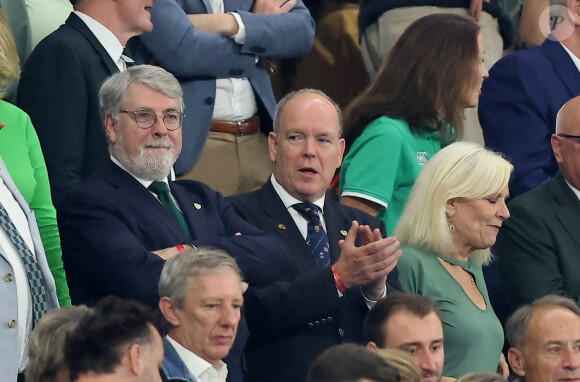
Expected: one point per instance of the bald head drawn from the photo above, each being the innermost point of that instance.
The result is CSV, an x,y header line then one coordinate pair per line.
x,y
568,118
566,141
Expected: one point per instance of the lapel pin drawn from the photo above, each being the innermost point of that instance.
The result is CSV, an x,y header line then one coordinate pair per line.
x,y
197,206
343,232
281,226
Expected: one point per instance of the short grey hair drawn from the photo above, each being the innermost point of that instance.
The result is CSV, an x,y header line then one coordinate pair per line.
x,y
517,325
47,342
113,91
288,97
179,270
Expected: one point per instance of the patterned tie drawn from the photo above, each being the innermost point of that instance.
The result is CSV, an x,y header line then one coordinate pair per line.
x,y
35,279
316,238
162,191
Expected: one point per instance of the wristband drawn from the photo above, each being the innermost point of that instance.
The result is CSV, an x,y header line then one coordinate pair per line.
x,y
338,281
180,247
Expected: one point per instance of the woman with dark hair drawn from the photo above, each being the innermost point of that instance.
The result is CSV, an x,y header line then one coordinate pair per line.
x,y
412,109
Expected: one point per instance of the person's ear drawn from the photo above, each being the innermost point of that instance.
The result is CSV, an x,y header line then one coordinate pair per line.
x,y
450,208
516,360
556,143
372,346
136,360
110,128
168,308
273,145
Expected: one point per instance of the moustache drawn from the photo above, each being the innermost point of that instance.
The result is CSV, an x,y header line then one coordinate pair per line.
x,y
162,144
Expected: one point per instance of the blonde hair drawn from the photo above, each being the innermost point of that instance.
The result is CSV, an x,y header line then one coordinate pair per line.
x,y
403,362
460,170
9,60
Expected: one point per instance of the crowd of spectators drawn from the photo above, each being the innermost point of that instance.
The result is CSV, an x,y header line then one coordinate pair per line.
x,y
165,213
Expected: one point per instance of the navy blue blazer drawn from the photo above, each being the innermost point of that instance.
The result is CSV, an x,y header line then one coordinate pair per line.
x,y
110,223
59,89
293,310
518,107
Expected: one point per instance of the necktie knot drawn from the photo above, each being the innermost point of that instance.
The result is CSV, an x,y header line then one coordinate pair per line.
x,y
308,210
159,188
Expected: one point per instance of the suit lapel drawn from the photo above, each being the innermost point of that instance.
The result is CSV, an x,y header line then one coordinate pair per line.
x,y
75,22
563,65
280,221
568,209
140,197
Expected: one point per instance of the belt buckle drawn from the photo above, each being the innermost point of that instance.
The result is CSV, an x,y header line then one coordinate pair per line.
x,y
241,127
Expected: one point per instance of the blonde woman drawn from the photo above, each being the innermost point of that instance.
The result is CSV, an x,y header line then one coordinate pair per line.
x,y
451,219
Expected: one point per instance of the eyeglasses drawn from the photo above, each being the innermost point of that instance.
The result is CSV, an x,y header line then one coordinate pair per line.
x,y
146,118
576,138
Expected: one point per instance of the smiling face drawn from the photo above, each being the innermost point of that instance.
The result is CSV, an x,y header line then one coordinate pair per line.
x,y
481,73
477,221
208,321
421,338
147,153
307,149
552,347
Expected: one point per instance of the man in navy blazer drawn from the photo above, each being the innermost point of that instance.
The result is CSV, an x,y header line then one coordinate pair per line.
x,y
115,232
520,100
219,51
61,78
295,308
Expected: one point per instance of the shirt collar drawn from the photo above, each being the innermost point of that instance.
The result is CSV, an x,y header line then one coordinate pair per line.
x,y
194,363
288,199
107,38
146,183
574,190
575,59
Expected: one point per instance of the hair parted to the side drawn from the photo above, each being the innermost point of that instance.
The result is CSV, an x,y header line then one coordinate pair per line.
x,y
113,91
516,327
376,319
288,97
421,88
460,170
180,270
47,342
9,60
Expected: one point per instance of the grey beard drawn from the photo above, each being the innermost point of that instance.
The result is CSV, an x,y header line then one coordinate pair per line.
x,y
144,166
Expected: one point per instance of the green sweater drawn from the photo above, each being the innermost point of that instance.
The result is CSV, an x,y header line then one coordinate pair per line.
x,y
20,150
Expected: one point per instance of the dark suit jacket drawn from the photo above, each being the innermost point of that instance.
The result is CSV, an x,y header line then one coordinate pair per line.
x,y
518,107
293,310
539,245
110,223
59,89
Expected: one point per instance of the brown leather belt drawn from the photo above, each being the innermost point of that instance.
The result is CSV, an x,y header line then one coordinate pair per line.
x,y
243,127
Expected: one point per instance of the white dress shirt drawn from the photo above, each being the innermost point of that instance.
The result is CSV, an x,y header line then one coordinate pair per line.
x,y
20,221
202,370
107,39
234,97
